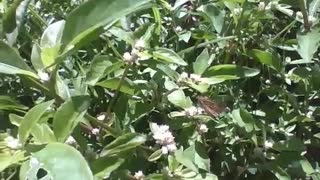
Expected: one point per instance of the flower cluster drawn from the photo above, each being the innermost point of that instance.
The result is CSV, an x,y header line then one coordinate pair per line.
x,y
195,78
163,137
193,111
133,56
12,142
139,175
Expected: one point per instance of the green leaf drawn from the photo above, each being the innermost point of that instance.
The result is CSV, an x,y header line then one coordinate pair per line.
x,y
126,86
202,62
9,18
50,43
97,69
314,7
92,15
215,14
187,158
179,99
124,143
7,103
169,56
31,119
307,167
12,63
231,71
308,44
69,115
104,166
155,155
61,161
7,159
244,119
41,132
266,58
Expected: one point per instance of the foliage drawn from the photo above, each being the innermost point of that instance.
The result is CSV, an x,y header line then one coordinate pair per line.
x,y
156,89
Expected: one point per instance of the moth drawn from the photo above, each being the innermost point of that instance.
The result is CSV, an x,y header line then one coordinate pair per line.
x,y
212,108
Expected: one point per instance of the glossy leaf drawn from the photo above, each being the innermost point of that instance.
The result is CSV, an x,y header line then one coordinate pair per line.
x,y
308,44
202,62
215,14
69,115
266,58
104,166
169,56
31,119
61,161
7,102
179,99
124,143
230,71
126,87
12,63
97,69
91,15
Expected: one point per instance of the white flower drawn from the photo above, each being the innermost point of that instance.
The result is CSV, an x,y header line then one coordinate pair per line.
x,y
43,76
299,14
237,11
203,128
268,81
95,131
178,29
163,137
71,141
195,78
101,117
140,44
288,59
127,57
139,175
268,144
312,19
309,114
12,142
191,111
35,163
261,6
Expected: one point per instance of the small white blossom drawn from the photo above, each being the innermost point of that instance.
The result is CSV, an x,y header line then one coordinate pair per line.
x,y
261,6
139,175
268,81
288,59
95,131
203,128
12,142
191,111
183,77
299,14
163,137
237,11
178,29
140,44
195,78
43,76
71,141
312,20
309,114
101,117
127,57
268,144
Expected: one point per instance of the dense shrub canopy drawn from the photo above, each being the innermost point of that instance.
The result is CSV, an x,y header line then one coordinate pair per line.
x,y
156,89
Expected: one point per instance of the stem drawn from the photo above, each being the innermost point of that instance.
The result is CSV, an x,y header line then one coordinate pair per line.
x,y
113,100
205,44
305,15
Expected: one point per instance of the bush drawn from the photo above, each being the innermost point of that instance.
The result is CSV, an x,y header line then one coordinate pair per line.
x,y
155,89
